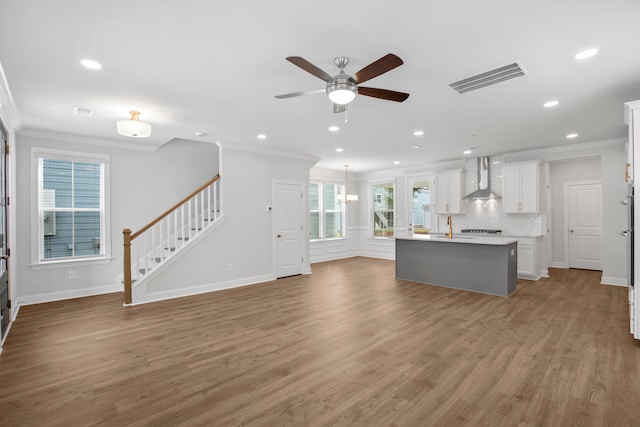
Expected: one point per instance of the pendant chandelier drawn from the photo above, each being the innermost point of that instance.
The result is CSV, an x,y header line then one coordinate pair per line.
x,y
349,197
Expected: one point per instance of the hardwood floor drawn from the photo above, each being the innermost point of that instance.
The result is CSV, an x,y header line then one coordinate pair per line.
x,y
347,345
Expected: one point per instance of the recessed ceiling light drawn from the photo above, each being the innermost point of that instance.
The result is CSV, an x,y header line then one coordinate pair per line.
x,y
87,112
91,64
466,152
201,134
572,135
418,133
396,162
550,104
339,150
587,53
417,146
334,128
261,136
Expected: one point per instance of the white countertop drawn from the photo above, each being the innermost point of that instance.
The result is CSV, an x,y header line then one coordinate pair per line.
x,y
476,240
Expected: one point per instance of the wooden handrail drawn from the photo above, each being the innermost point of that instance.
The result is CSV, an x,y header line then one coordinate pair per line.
x,y
174,207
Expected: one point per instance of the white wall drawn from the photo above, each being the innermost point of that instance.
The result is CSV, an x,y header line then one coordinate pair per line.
x,y
245,238
143,185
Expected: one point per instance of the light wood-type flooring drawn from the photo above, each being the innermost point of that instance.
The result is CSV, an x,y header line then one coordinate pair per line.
x,y
348,345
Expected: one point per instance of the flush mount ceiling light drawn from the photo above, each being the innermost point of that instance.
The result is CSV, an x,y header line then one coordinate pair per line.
x,y
572,135
550,104
418,133
339,150
261,136
133,127
334,128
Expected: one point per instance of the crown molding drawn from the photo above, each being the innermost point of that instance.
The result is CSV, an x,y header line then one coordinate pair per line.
x,y
35,133
268,151
8,112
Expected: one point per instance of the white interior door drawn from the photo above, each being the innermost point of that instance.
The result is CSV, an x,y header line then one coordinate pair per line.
x,y
584,225
289,223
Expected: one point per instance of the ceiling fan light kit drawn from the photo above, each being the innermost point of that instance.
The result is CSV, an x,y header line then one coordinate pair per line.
x,y
133,127
343,88
342,93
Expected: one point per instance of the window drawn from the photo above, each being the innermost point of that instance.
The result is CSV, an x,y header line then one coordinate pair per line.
x,y
70,207
383,213
326,211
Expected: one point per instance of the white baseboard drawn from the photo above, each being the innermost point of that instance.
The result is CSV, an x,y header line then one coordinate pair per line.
x,y
70,294
201,289
613,281
557,264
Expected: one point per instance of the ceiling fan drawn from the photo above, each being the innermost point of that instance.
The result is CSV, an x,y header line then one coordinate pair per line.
x,y
342,88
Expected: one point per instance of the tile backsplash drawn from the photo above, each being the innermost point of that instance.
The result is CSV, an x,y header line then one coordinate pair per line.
x,y
488,214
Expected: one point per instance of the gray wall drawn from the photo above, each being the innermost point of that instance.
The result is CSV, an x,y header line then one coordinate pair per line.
x,y
246,236
143,185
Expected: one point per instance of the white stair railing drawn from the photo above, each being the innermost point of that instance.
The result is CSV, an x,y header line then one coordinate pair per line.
x,y
155,243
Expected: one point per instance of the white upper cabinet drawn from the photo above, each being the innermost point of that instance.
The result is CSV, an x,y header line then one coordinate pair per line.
x,y
520,187
449,192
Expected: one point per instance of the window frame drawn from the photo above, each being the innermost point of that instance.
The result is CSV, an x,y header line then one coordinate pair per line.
x,y
39,262
371,210
322,211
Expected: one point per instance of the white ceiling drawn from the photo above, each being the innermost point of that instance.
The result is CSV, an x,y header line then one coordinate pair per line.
x,y
215,67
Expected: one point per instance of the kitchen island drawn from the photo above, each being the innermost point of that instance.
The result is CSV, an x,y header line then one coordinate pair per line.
x,y
472,263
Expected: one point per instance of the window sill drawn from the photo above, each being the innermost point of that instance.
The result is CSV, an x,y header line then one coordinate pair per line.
x,y
71,263
333,239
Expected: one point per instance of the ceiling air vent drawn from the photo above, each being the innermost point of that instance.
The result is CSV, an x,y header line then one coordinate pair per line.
x,y
488,78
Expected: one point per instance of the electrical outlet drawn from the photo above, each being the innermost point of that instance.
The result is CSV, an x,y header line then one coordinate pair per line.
x,y
230,267
72,275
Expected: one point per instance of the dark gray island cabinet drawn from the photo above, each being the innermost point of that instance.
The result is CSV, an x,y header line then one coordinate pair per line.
x,y
479,264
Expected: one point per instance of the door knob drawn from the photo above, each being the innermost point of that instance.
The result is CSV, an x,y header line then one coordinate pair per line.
x,y
570,231
279,236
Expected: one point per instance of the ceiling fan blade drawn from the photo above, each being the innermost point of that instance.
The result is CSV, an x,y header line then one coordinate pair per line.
x,y
309,68
304,92
339,108
381,66
389,95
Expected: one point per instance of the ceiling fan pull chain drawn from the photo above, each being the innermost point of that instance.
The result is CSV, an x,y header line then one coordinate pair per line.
x,y
346,114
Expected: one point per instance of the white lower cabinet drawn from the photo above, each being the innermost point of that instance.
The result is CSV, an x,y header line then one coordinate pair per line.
x,y
528,259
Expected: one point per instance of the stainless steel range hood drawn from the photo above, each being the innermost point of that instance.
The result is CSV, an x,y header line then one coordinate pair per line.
x,y
484,182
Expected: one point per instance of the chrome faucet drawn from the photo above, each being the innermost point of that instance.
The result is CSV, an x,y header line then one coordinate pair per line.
x,y
450,224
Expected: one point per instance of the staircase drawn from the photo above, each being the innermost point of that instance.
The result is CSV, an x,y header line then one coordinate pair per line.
x,y
156,245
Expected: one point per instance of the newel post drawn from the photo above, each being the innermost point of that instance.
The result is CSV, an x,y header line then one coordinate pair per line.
x,y
127,265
